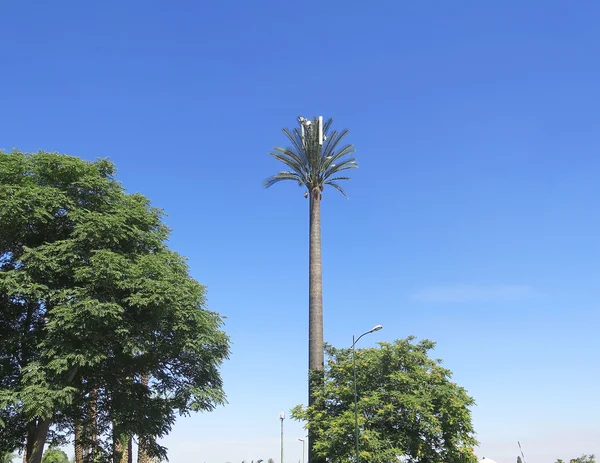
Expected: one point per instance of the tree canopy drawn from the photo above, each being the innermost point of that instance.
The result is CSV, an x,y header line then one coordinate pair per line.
x,y
407,404
591,458
53,455
92,301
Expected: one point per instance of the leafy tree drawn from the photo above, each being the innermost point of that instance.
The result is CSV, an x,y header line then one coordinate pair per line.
x,y
519,460
585,459
92,302
408,407
591,458
54,455
6,457
315,159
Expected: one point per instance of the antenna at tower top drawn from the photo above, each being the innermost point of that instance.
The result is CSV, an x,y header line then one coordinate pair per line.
x,y
320,130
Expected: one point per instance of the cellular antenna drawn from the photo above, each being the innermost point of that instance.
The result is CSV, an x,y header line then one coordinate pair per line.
x,y
302,120
320,130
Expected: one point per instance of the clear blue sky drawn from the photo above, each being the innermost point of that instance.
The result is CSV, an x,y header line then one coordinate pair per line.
x,y
472,220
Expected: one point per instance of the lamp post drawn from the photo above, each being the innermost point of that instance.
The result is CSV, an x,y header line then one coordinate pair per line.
x,y
303,443
282,417
372,330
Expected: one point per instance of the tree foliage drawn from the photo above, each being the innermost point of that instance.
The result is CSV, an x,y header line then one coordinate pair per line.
x,y
54,455
591,458
91,301
407,404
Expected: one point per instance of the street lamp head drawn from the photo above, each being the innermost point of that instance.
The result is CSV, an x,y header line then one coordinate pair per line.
x,y
376,328
301,440
282,415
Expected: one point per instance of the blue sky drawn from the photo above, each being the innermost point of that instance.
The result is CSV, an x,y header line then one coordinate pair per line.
x,y
472,219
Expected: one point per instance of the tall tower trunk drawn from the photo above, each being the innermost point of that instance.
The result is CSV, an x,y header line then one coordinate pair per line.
x,y
316,356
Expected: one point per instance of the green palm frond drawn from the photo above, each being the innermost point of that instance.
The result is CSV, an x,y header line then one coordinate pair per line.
x,y
312,164
282,176
343,165
296,138
337,187
333,141
335,160
289,159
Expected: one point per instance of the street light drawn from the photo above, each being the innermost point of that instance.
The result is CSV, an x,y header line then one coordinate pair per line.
x,y
303,442
282,417
372,330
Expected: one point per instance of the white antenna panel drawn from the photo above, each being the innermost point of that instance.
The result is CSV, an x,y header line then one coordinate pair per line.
x,y
320,130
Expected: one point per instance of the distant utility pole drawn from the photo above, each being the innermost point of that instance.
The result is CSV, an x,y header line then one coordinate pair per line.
x,y
303,443
282,417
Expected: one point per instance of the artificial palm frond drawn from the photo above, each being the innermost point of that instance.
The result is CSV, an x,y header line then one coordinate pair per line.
x,y
337,187
311,163
282,176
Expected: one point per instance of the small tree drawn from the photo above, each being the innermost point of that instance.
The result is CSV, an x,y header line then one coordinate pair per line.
x,y
54,455
591,458
408,407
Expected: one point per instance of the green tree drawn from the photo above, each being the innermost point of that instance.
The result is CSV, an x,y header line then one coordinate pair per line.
x,y
519,460
315,159
408,407
54,455
591,458
6,457
92,301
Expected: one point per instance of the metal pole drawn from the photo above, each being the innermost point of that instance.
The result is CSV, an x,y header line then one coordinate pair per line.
x,y
282,417
375,328
355,400
303,451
